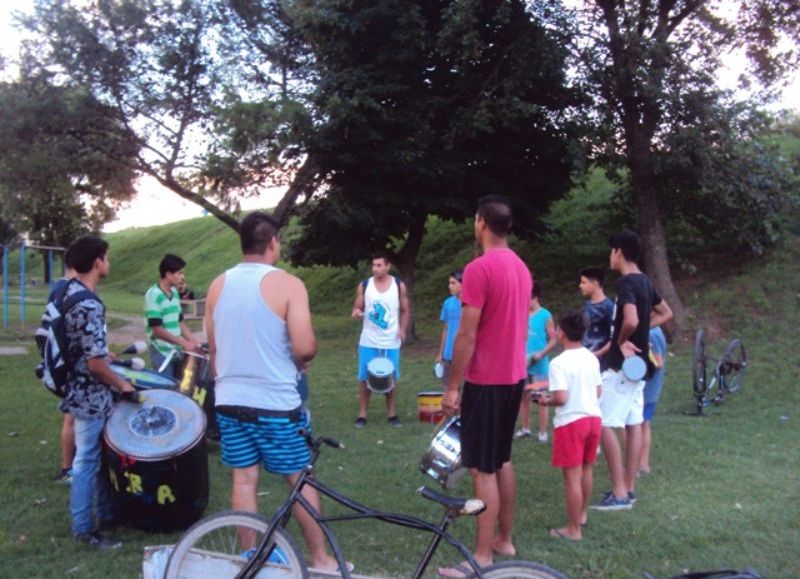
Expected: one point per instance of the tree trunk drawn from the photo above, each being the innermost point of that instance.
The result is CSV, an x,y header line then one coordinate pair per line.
x,y
405,261
651,230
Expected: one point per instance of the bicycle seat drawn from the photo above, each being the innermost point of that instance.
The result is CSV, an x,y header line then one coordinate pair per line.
x,y
463,506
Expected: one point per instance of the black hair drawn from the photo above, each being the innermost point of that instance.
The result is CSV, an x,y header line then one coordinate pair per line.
x,y
574,325
495,210
83,252
381,255
171,263
536,290
458,274
256,231
597,274
628,242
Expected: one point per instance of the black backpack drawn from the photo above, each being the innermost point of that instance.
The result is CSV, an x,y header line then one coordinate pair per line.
x,y
51,338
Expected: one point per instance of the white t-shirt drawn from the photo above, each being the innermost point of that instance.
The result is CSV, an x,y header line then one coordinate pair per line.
x,y
578,372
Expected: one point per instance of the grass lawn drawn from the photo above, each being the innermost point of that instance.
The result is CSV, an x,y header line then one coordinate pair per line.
x,y
724,492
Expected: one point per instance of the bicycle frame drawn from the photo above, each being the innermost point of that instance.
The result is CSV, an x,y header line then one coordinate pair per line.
x,y
283,514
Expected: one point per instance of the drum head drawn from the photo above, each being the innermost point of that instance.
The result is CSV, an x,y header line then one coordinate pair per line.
x,y
634,368
166,424
380,367
145,379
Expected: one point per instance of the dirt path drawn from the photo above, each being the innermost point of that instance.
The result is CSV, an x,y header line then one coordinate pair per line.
x,y
133,329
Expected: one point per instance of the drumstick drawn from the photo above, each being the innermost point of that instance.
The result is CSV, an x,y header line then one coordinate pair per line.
x,y
138,347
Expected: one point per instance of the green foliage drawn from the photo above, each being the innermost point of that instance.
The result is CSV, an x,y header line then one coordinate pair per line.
x,y
54,184
425,107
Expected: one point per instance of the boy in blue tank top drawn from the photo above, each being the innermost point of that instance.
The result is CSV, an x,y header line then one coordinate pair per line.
x,y
541,341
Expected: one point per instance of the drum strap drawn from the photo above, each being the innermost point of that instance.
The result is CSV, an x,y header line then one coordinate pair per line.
x,y
247,414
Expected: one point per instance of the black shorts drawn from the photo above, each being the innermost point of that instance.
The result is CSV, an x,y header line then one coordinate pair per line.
x,y
488,416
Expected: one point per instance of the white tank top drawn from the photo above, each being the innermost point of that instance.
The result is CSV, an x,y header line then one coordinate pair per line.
x,y
254,362
381,316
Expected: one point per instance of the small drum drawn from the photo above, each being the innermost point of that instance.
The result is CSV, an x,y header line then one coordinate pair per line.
x,y
158,461
144,379
634,368
197,382
442,462
380,375
429,407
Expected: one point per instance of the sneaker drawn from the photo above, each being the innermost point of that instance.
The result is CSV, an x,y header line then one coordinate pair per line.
x,y
522,433
394,421
277,556
64,476
97,541
360,422
612,503
543,438
631,495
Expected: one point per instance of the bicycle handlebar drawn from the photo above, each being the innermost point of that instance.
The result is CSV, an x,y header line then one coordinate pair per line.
x,y
316,443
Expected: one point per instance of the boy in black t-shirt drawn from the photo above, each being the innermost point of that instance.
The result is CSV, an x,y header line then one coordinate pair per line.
x,y
638,307
599,310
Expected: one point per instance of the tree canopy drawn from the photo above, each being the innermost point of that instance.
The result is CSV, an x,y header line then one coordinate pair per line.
x,y
688,148
56,179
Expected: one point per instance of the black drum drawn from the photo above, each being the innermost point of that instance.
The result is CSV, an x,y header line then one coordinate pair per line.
x,y
197,382
158,461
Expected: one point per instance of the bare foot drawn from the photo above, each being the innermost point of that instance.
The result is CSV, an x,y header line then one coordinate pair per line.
x,y
563,533
330,566
504,548
460,570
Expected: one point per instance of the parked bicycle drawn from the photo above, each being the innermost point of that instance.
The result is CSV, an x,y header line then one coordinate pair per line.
x,y
728,375
211,547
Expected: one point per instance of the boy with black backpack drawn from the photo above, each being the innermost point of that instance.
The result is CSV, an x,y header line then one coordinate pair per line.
x,y
89,388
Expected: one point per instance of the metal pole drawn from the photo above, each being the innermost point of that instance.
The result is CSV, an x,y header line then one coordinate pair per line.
x,y
22,281
50,268
5,286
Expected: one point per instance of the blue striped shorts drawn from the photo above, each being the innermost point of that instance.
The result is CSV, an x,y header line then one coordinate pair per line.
x,y
272,440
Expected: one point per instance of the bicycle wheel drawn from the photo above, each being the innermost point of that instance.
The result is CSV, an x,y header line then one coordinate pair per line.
x,y
211,549
520,570
733,365
699,364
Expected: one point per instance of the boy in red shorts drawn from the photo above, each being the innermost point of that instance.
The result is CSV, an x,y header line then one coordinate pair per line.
x,y
574,389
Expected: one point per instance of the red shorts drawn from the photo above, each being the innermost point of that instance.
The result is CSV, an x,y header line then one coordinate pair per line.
x,y
575,444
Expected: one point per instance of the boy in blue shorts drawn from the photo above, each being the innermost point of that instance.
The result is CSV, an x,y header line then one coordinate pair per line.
x,y
541,341
652,391
574,390
450,318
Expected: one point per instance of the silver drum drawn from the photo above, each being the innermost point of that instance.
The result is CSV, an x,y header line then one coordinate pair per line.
x,y
442,462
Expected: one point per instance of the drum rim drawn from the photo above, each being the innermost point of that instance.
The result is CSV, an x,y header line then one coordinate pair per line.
x,y
174,452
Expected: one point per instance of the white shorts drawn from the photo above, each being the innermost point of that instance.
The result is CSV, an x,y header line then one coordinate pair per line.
x,y
621,400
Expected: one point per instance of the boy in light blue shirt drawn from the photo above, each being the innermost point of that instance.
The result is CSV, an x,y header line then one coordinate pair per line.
x,y
450,318
652,391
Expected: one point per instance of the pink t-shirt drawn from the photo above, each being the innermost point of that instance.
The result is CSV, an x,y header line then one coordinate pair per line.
x,y
499,284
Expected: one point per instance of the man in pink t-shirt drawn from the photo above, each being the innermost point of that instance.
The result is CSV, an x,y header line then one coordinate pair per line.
x,y
489,353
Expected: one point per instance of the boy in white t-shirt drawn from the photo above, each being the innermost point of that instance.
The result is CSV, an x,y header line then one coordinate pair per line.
x,y
574,390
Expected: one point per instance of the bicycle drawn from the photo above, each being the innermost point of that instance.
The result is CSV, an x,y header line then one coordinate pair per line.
x,y
728,376
211,549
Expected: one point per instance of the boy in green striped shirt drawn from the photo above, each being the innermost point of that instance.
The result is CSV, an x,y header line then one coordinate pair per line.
x,y
166,330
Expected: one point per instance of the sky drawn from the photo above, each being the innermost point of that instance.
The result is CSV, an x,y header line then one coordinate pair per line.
x,y
154,205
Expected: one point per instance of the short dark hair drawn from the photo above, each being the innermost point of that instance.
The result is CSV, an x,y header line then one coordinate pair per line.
x,y
256,231
381,255
495,210
628,242
597,274
458,274
171,263
84,251
536,290
574,325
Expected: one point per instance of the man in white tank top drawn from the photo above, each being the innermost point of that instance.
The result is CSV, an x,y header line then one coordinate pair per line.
x,y
258,324
382,302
